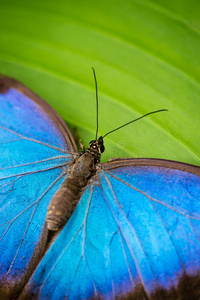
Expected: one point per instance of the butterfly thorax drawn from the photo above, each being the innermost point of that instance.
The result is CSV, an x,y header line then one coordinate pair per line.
x,y
67,197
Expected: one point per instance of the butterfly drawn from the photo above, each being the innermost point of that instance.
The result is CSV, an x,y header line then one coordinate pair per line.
x,y
133,234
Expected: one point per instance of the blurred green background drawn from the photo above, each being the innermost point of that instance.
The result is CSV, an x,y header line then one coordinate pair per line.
x,y
146,55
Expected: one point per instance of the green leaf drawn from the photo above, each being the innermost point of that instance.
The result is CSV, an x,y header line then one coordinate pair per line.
x,y
146,57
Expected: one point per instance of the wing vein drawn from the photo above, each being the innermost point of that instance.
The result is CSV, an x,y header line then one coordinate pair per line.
x,y
33,140
33,172
150,198
132,229
36,162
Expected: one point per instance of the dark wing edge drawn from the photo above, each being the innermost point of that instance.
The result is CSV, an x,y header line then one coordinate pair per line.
x,y
7,82
120,162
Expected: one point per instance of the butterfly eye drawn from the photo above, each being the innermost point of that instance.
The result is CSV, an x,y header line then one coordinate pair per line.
x,y
100,144
102,148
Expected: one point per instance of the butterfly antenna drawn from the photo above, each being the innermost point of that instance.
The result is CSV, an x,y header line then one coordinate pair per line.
x,y
150,113
97,102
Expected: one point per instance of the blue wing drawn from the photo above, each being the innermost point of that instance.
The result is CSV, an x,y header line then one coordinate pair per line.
x,y
35,147
135,231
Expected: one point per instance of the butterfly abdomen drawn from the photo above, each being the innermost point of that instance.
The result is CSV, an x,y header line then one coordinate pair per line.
x,y
66,198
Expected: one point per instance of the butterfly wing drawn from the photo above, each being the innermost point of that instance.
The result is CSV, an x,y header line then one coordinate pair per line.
x,y
35,147
135,233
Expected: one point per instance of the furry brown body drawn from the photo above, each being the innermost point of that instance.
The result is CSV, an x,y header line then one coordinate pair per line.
x,y
67,197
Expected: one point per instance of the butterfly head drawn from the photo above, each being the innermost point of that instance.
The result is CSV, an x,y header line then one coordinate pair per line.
x,y
96,147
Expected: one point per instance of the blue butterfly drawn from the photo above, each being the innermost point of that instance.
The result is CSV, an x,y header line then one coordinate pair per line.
x,y
134,234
